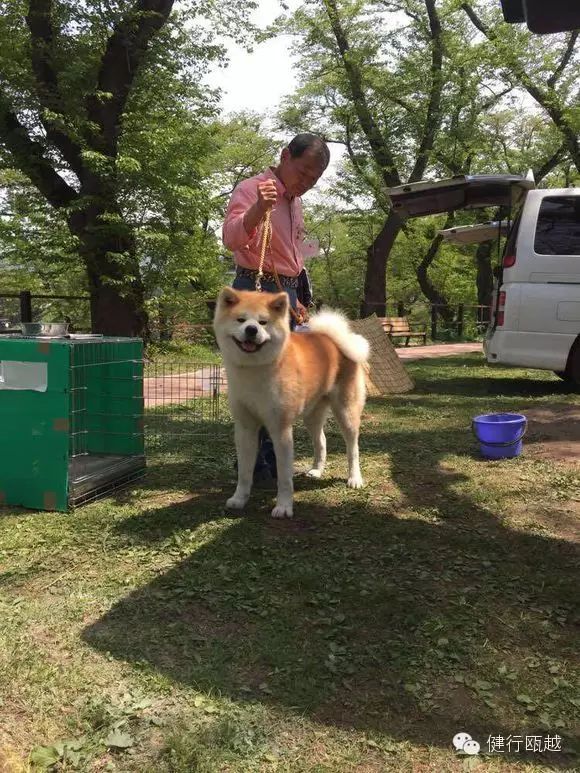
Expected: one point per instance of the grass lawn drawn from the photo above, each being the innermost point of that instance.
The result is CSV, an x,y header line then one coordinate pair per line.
x,y
153,632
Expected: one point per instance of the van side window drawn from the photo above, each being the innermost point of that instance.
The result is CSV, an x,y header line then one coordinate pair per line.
x,y
558,227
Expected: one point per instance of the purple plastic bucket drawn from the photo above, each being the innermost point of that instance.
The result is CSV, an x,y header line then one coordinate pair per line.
x,y
500,435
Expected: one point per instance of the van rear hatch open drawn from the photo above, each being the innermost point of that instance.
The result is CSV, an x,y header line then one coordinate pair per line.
x,y
459,192
475,234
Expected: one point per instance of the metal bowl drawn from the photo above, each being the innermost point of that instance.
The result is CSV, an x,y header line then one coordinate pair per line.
x,y
44,328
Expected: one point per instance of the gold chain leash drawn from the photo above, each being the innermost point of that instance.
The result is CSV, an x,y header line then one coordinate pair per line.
x,y
266,242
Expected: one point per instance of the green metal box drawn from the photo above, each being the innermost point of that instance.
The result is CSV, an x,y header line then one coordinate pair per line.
x,y
71,418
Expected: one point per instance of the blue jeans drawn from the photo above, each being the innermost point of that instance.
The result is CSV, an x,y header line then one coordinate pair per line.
x,y
266,460
247,283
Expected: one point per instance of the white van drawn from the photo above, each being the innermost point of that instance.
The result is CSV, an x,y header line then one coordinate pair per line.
x,y
536,316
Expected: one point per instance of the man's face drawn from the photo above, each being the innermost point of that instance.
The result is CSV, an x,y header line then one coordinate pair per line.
x,y
300,174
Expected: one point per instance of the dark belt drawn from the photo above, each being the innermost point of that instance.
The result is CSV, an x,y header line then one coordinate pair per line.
x,y
285,281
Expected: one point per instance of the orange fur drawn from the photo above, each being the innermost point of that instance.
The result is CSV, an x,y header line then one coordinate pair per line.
x,y
275,376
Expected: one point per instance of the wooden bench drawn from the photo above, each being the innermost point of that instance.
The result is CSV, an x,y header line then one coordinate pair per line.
x,y
398,327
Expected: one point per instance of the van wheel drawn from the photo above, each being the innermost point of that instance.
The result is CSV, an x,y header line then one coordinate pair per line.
x,y
572,372
563,375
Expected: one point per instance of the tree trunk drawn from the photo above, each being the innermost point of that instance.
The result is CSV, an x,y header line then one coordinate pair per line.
x,y
427,287
117,312
107,247
484,279
375,296
165,323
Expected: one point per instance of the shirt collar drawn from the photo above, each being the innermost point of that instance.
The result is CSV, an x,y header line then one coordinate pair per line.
x,y
281,188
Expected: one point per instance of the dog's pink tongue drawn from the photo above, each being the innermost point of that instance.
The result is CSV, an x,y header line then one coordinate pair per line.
x,y
249,346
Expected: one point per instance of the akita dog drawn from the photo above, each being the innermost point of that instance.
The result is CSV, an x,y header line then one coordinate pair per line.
x,y
275,376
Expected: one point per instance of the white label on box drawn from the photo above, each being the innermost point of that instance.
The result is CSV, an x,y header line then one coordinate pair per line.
x,y
23,375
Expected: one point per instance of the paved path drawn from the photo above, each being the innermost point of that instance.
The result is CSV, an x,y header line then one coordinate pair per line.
x,y
181,387
436,350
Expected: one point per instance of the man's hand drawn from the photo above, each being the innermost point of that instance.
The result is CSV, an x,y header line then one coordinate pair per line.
x,y
302,311
267,195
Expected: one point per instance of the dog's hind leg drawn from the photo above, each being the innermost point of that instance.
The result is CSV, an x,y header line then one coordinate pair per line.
x,y
347,403
314,423
284,447
246,434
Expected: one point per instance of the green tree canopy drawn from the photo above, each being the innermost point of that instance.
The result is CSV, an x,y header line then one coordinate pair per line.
x,y
95,99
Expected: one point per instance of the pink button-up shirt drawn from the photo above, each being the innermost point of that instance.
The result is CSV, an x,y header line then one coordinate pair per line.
x,y
287,228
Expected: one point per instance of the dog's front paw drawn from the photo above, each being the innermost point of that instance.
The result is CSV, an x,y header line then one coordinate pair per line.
x,y
355,481
282,511
314,473
236,502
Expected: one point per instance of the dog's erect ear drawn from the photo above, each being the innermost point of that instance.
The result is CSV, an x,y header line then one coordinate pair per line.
x,y
228,297
279,303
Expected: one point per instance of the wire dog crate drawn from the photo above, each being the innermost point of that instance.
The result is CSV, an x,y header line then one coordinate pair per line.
x,y
71,418
187,418
183,400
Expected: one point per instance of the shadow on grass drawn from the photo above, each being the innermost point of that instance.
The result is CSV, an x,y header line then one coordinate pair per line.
x,y
199,461
417,620
439,377
497,387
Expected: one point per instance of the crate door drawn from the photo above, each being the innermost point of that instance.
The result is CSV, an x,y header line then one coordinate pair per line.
x,y
109,383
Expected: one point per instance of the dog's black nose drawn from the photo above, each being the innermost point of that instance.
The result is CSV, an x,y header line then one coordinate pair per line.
x,y
251,331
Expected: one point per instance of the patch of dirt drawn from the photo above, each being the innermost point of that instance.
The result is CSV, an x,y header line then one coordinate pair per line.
x,y
10,760
52,646
459,701
562,521
202,622
554,433
289,526
20,732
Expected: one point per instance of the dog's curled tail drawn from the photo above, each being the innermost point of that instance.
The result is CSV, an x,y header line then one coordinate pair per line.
x,y
335,325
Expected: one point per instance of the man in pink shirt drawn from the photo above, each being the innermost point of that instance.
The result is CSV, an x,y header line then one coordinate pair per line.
x,y
277,189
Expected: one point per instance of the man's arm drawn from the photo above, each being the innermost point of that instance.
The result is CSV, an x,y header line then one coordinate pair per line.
x,y
245,212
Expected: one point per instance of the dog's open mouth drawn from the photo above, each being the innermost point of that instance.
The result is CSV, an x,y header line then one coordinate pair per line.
x,y
248,346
